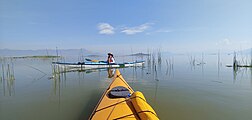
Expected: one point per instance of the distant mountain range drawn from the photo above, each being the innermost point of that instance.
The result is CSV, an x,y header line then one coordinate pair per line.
x,y
244,52
61,52
78,52
139,54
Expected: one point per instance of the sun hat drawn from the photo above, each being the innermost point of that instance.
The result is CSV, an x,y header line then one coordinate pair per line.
x,y
110,53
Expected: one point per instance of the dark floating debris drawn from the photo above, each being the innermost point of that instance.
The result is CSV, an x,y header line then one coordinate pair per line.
x,y
217,81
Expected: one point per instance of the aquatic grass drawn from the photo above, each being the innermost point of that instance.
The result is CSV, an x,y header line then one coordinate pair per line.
x,y
154,64
7,76
81,56
243,62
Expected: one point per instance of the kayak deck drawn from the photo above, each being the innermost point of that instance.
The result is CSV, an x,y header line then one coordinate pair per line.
x,y
127,107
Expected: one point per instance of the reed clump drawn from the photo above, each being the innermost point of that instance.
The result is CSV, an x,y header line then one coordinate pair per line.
x,y
242,62
7,75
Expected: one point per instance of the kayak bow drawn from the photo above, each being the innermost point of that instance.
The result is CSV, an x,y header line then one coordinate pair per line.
x,y
119,101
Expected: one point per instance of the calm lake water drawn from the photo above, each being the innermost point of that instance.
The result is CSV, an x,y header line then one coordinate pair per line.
x,y
175,88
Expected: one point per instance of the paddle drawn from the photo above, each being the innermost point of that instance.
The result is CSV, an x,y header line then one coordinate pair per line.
x,y
93,60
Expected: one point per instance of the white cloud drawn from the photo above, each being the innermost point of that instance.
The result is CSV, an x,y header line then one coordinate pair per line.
x,y
224,42
137,29
105,28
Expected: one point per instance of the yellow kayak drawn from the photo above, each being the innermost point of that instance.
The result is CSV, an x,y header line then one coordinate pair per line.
x,y
119,101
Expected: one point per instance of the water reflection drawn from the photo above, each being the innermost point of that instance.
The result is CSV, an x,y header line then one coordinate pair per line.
x,y
235,71
240,74
111,72
59,76
169,67
251,77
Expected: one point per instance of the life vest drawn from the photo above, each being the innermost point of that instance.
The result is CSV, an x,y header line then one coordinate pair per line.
x,y
111,60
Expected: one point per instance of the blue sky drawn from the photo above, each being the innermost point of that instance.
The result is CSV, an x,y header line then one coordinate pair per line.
x,y
125,25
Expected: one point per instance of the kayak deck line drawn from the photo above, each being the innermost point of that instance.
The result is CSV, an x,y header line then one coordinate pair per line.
x,y
119,101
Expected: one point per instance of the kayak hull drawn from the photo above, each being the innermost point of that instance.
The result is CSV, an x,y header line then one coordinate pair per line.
x,y
92,65
115,108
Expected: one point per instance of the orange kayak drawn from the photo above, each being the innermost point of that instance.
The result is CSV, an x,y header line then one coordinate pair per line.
x,y
119,101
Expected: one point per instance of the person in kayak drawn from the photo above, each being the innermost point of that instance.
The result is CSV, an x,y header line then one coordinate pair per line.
x,y
111,59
